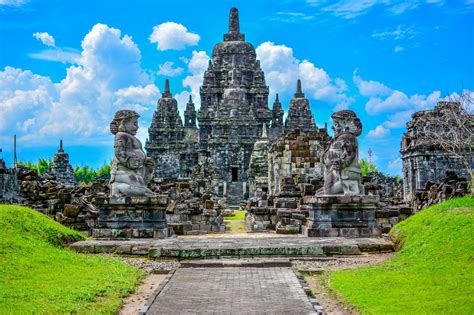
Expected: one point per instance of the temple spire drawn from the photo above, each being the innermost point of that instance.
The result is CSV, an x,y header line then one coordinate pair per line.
x,y
61,146
276,99
234,27
166,92
299,92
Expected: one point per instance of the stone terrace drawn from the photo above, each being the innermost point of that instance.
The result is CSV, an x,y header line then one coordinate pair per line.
x,y
200,247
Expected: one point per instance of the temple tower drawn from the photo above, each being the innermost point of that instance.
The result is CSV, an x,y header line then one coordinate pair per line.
x,y
170,144
234,107
300,116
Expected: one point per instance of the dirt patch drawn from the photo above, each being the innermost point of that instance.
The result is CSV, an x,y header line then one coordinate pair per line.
x,y
133,303
318,272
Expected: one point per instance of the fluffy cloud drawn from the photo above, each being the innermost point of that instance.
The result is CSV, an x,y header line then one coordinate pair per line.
x,y
385,100
13,3
197,65
370,88
171,35
45,38
282,70
167,69
108,76
380,132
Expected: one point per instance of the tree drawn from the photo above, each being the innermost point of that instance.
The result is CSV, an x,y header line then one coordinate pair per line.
x,y
451,128
367,167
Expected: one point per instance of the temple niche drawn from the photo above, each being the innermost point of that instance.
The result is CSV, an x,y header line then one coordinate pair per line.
x,y
424,163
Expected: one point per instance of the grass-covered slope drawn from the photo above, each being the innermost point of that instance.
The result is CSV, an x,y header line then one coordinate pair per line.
x,y
39,275
433,273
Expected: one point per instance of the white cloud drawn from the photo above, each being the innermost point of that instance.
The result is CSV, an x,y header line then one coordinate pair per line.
x,y
370,88
137,97
378,133
197,65
167,69
395,165
171,35
401,32
45,38
383,99
67,56
108,76
398,49
13,3
349,9
282,70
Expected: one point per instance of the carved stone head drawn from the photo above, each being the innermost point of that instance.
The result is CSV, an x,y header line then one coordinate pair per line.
x,y
346,121
125,120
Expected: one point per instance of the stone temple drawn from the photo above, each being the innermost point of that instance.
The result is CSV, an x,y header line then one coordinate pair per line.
x,y
233,114
423,161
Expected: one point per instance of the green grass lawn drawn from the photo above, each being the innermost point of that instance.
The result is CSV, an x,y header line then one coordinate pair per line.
x,y
433,273
39,275
235,224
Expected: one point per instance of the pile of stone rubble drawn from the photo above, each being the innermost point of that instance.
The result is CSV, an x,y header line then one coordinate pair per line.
x,y
69,205
190,212
434,193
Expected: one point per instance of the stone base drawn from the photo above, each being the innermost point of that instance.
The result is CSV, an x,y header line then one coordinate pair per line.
x,y
346,216
132,217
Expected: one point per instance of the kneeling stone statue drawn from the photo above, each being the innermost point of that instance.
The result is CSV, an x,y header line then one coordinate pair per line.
x,y
342,174
131,169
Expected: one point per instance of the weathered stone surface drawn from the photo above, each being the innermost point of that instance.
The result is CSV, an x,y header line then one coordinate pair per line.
x,y
60,169
240,246
342,175
423,161
131,170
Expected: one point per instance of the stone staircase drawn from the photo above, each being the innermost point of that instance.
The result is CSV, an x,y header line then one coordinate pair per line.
x,y
234,195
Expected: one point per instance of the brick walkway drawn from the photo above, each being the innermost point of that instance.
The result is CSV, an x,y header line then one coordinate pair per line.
x,y
232,291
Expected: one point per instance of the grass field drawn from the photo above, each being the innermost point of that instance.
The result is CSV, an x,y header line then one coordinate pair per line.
x,y
433,273
39,275
235,224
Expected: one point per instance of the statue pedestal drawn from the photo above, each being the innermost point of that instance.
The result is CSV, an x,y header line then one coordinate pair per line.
x,y
132,217
346,216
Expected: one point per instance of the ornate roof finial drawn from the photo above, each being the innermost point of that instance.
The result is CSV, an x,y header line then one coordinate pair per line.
x,y
61,146
276,98
299,92
166,92
234,27
190,99
264,131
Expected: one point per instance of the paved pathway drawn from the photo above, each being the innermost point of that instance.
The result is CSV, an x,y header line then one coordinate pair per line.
x,y
197,247
232,291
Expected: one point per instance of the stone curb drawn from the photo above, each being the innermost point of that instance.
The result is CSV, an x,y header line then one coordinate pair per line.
x,y
155,294
234,263
318,308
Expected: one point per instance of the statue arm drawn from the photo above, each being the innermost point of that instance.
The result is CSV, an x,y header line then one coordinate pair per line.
x,y
349,150
123,153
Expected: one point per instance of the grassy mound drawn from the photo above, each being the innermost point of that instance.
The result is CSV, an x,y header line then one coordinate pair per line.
x,y
433,272
38,275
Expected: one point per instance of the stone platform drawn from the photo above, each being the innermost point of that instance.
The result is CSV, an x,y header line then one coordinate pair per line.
x,y
344,216
132,217
212,247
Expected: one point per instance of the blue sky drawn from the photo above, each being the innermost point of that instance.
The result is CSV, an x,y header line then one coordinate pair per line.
x,y
67,66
